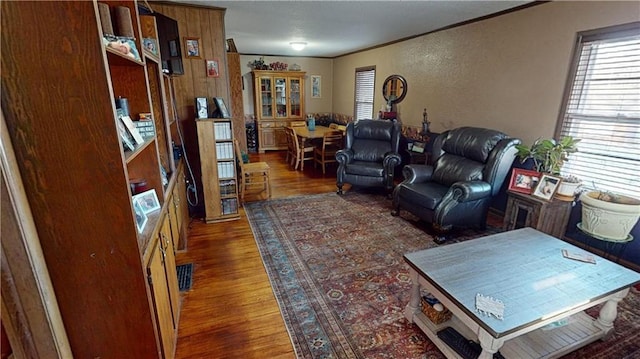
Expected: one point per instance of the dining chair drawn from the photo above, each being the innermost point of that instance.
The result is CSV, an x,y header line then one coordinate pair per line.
x,y
252,175
303,151
326,153
291,149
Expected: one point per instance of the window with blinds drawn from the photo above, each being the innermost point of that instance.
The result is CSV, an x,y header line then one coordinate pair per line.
x,y
602,108
365,82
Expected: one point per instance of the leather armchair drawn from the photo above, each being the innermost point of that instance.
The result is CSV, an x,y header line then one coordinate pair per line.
x,y
469,166
370,154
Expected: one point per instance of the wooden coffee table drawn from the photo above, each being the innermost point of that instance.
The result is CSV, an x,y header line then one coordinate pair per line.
x,y
525,270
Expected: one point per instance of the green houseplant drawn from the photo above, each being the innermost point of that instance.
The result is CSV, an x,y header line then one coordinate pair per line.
x,y
549,156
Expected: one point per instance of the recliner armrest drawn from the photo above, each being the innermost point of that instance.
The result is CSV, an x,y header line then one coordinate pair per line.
x,y
391,159
417,173
344,156
470,190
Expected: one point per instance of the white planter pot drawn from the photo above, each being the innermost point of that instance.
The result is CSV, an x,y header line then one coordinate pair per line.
x,y
607,220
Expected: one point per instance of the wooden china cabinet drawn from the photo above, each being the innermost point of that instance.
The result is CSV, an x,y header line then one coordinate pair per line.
x,y
279,100
114,279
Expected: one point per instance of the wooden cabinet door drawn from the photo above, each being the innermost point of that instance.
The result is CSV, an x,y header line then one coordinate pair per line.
x,y
296,97
170,270
268,138
182,209
174,220
280,137
161,301
264,97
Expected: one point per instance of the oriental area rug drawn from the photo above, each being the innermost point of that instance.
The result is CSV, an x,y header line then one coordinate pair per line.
x,y
337,270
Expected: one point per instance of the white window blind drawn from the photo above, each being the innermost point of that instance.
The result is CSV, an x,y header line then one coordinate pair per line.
x,y
365,82
602,108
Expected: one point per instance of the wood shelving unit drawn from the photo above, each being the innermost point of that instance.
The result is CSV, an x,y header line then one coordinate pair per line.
x,y
116,288
219,169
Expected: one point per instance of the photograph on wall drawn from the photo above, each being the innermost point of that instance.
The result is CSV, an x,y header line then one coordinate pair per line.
x,y
316,86
213,68
192,47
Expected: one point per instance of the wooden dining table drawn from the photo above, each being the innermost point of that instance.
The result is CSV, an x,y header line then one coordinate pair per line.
x,y
304,134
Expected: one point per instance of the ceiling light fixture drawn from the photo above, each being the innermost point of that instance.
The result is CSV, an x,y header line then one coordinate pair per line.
x,y
298,45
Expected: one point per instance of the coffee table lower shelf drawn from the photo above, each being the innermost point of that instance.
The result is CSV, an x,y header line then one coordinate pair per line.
x,y
551,343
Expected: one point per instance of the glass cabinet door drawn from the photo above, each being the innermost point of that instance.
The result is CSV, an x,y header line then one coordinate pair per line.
x,y
295,98
266,99
281,97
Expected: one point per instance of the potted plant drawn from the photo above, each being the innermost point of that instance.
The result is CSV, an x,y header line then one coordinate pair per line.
x,y
549,156
609,216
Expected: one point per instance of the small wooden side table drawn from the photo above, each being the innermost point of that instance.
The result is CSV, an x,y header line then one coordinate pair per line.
x,y
419,158
550,217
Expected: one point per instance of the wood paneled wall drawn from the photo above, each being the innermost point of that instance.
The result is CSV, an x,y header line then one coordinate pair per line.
x,y
207,24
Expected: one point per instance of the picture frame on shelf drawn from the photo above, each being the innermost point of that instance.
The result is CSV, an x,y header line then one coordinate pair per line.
x,y
418,147
547,187
316,86
132,130
192,47
150,45
523,181
125,137
212,67
141,217
202,107
221,109
148,201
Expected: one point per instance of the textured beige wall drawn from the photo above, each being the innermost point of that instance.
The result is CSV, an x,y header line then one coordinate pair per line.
x,y
312,66
506,73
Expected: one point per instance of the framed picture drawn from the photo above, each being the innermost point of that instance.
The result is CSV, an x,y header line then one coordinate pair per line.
x,y
316,86
221,108
132,130
141,217
125,137
418,147
523,181
213,69
148,201
150,45
192,47
202,109
547,187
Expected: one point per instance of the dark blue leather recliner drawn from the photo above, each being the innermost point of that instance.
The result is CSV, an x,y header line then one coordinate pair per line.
x,y
370,154
469,166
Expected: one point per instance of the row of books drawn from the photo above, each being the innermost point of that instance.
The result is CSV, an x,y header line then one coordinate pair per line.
x,y
224,150
227,187
146,128
222,130
226,170
229,206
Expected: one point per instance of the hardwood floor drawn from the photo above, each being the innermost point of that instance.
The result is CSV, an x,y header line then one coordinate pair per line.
x,y
230,311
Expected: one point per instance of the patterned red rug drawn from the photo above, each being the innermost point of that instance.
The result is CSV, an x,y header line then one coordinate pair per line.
x,y
336,267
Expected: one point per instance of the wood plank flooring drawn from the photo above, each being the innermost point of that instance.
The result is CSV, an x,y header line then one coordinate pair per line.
x,y
230,311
